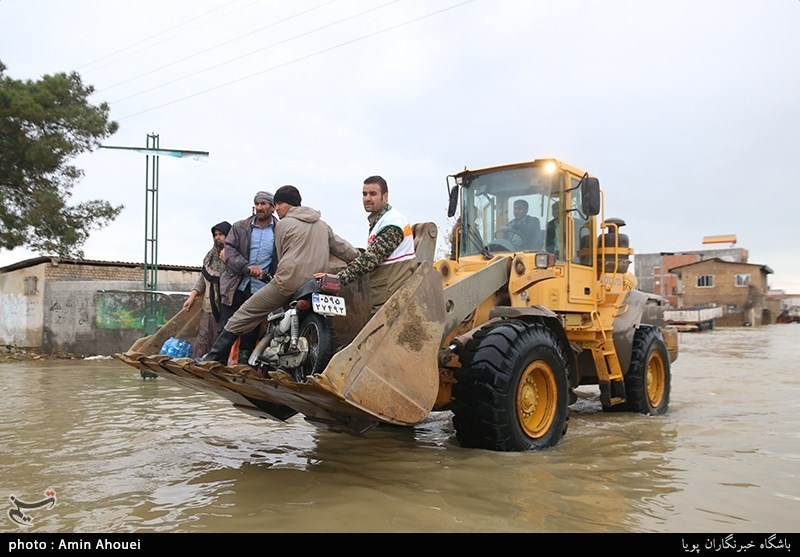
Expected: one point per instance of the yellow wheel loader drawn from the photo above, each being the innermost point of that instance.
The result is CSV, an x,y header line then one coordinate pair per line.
x,y
535,300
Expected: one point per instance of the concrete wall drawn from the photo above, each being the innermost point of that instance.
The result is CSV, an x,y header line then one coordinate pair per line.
x,y
101,317
21,302
87,308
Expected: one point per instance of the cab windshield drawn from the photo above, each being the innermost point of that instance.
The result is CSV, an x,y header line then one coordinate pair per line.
x,y
508,210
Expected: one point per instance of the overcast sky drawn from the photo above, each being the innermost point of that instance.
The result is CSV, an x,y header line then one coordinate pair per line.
x,y
687,111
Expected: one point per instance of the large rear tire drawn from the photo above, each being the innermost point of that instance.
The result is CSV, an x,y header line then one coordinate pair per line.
x,y
649,379
512,390
321,345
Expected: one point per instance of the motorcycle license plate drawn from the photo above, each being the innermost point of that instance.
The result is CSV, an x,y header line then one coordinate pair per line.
x,y
325,304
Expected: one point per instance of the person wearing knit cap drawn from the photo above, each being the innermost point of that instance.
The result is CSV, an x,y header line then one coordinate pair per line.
x,y
250,262
288,194
207,286
390,258
224,227
304,244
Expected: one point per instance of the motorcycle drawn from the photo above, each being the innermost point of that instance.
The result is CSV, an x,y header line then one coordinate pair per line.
x,y
299,338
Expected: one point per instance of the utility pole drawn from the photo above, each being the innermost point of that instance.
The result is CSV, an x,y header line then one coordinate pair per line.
x,y
150,283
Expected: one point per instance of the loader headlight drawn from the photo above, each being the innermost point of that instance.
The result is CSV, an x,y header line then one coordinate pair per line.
x,y
543,260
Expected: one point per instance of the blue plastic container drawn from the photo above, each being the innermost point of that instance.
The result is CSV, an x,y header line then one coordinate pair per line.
x,y
176,348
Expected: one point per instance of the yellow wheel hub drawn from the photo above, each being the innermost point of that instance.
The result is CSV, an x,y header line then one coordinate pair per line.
x,y
656,380
537,398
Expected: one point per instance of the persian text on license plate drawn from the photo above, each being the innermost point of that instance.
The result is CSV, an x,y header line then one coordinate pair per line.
x,y
325,304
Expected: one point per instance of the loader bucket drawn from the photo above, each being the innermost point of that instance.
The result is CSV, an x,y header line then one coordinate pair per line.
x,y
387,373
390,370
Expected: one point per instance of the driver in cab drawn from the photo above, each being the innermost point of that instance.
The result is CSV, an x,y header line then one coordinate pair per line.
x,y
523,231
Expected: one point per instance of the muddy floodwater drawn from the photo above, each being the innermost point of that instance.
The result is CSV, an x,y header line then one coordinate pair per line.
x,y
102,449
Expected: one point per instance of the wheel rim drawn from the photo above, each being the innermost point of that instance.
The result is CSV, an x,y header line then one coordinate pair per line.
x,y
311,332
656,380
536,399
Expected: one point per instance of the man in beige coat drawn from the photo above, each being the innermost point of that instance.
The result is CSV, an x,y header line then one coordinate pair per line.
x,y
304,244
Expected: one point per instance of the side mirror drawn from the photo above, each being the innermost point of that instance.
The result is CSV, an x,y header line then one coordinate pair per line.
x,y
451,208
590,196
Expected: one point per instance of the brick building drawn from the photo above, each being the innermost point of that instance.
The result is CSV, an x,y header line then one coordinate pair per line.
x,y
740,288
653,273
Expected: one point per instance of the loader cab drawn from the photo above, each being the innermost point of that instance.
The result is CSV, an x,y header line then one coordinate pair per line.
x,y
504,210
526,208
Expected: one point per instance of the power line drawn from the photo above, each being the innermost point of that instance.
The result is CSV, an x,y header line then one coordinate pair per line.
x,y
123,49
217,46
254,52
301,58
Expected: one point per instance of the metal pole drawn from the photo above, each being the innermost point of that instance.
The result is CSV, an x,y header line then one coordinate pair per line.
x,y
153,150
151,238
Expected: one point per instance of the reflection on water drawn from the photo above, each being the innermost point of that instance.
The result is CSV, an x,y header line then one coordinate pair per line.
x,y
126,454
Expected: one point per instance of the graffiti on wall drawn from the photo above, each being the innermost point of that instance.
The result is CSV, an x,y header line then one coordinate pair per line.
x,y
124,310
71,309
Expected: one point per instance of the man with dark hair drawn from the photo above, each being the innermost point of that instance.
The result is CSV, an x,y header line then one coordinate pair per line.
x,y
553,240
389,258
523,231
303,244
250,262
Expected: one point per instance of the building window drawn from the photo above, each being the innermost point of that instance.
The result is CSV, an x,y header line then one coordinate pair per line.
x,y
705,281
30,285
743,280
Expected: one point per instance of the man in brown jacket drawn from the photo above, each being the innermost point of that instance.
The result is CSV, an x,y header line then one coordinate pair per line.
x,y
304,244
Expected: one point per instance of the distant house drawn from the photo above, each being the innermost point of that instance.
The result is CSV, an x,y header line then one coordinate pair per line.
x,y
653,273
740,288
84,307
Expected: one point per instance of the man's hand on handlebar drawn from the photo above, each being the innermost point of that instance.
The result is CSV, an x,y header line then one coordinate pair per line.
x,y
255,271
